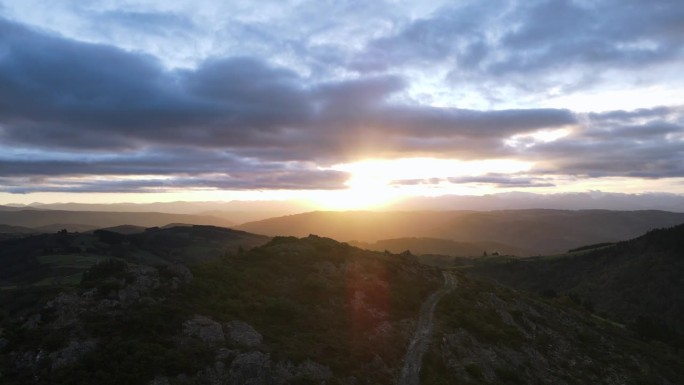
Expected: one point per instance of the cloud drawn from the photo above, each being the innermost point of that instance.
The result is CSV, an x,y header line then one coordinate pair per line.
x,y
294,178
506,181
66,94
647,143
72,110
498,180
536,45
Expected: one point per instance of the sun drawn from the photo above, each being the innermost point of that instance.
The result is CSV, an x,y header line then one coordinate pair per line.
x,y
375,183
362,193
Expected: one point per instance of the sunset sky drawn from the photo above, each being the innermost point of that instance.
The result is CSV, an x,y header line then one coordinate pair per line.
x,y
343,103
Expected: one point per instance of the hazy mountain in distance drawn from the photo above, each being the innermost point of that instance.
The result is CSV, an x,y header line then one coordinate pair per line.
x,y
38,218
234,211
9,229
244,211
365,226
540,231
560,201
15,208
125,229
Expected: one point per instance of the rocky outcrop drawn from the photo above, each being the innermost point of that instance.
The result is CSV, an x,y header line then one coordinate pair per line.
x,y
71,353
61,318
144,279
205,329
250,368
242,334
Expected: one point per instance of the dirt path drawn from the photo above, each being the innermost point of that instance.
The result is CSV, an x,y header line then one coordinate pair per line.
x,y
410,374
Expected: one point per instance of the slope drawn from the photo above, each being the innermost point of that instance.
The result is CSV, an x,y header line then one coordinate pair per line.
x,y
487,334
638,280
539,231
291,311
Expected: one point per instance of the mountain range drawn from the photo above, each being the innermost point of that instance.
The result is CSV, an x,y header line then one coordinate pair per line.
x,y
537,231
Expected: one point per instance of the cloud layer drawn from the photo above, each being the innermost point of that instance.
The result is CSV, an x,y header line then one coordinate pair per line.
x,y
91,112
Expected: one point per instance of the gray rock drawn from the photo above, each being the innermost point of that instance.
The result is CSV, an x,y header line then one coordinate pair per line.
x,y
145,279
67,307
243,334
250,369
160,380
182,272
204,328
32,322
71,353
315,371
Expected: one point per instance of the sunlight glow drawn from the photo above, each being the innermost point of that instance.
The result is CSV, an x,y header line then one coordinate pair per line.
x,y
531,139
379,182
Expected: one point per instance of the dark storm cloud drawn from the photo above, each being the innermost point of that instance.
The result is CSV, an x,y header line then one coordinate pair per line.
x,y
61,93
65,94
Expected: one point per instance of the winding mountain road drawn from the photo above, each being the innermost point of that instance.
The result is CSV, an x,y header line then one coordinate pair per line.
x,y
410,374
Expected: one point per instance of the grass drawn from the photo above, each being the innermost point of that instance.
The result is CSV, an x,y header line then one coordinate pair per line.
x,y
70,280
74,261
64,269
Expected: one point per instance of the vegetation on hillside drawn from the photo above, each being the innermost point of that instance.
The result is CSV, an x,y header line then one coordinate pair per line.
x,y
488,334
638,282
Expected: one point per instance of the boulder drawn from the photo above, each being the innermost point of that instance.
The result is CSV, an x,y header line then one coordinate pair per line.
x,y
243,334
204,328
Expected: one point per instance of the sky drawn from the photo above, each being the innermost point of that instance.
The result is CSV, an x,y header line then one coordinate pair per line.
x,y
347,104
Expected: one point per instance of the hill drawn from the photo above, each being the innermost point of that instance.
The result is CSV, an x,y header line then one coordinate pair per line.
x,y
539,231
54,258
9,229
291,311
488,334
438,246
125,229
300,311
637,281
94,219
73,228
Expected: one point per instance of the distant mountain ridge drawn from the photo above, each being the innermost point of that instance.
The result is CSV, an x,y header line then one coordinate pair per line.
x,y
242,211
93,219
541,231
